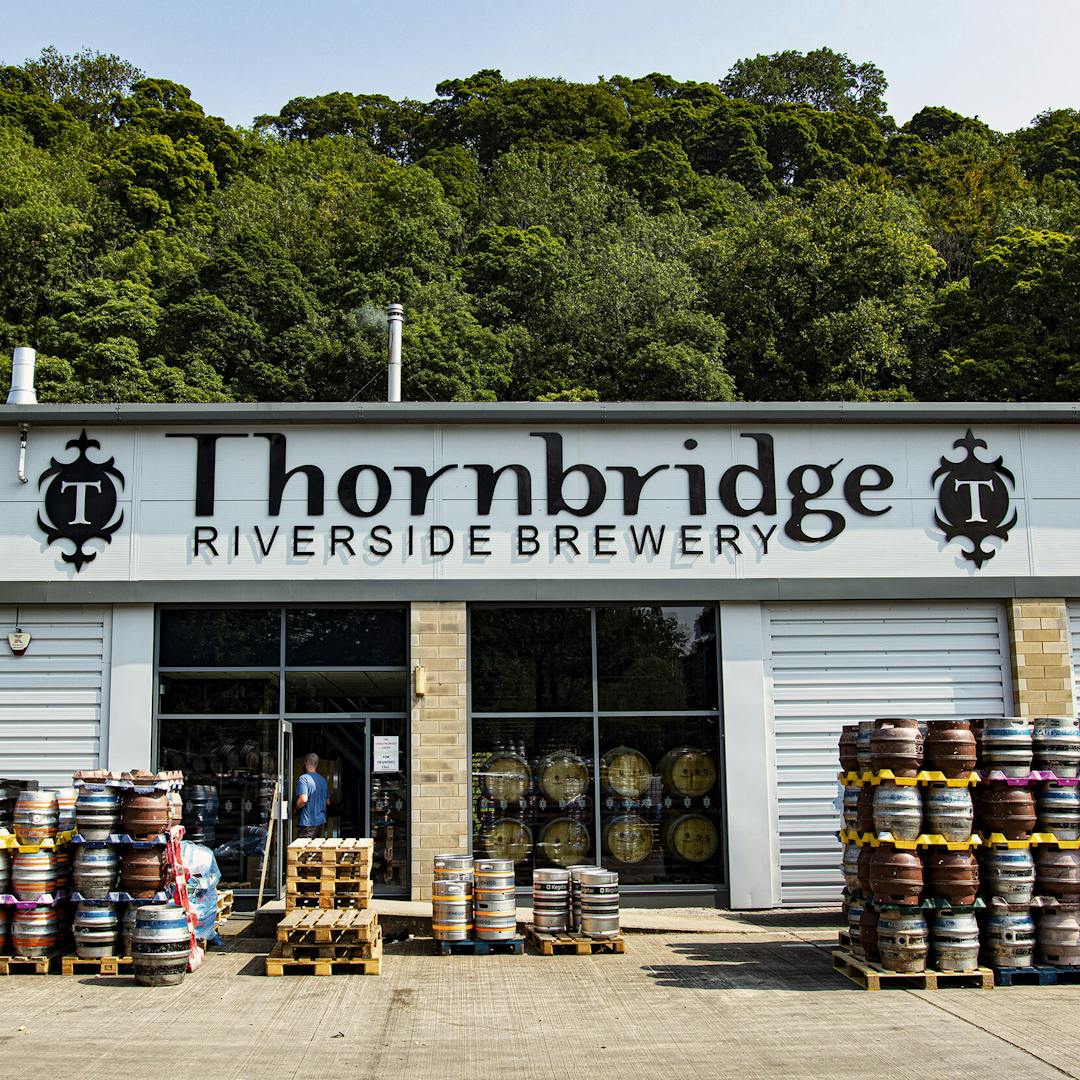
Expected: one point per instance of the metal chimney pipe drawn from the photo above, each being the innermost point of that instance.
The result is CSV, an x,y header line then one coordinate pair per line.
x,y
395,316
22,390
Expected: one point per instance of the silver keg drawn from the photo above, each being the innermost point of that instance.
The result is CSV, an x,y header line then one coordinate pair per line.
x,y
1056,744
97,814
1059,936
160,945
97,930
903,940
494,900
600,903
954,941
34,874
36,815
454,868
96,872
851,867
574,920
1008,874
898,811
948,812
1057,873
65,809
1010,938
1059,810
551,899
451,911
1007,745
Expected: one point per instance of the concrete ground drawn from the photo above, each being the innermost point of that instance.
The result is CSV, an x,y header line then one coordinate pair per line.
x,y
756,997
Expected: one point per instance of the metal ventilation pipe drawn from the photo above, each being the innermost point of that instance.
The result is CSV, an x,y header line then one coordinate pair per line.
x,y
22,390
395,316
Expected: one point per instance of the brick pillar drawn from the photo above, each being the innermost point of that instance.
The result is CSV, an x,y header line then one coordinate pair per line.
x,y
1042,666
439,737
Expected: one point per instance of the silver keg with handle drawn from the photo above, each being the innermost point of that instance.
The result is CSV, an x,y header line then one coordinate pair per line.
x,y
600,904
574,920
97,814
452,898
1056,744
954,941
97,930
551,899
96,872
160,945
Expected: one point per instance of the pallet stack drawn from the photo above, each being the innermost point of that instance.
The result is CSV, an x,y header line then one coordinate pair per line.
x,y
328,928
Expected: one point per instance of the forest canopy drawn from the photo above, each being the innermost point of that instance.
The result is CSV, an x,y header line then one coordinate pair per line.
x,y
772,235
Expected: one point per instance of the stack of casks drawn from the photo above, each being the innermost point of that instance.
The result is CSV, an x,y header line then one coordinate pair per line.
x,y
452,898
120,863
888,887
494,900
36,879
581,899
1029,807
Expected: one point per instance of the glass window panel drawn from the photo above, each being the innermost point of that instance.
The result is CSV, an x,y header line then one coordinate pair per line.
x,y
656,658
533,790
230,767
344,691
213,692
345,637
661,820
390,811
220,637
531,660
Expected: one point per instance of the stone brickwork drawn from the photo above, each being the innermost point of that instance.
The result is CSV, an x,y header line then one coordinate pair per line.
x,y
439,736
1042,667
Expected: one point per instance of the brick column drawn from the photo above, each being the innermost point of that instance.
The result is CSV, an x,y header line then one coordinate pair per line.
x,y
1042,666
439,737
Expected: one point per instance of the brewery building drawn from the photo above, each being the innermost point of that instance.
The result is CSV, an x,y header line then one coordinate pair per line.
x,y
627,633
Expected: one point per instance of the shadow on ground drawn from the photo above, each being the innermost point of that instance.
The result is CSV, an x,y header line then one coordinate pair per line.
x,y
779,919
767,965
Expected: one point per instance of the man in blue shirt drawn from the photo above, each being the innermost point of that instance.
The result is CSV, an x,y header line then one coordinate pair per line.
x,y
311,796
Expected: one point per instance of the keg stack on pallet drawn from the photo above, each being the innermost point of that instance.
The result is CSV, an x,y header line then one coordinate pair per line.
x,y
35,877
123,825
328,927
916,813
474,906
575,911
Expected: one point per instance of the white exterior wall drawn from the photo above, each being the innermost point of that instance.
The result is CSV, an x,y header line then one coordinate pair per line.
x,y
131,688
836,664
53,697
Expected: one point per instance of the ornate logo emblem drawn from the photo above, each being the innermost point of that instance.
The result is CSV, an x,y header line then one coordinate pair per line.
x,y
80,501
973,499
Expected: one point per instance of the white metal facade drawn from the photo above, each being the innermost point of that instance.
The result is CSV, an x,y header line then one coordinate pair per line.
x,y
51,699
836,664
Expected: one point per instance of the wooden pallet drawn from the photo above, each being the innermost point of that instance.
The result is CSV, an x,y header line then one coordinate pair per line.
x,y
307,926
366,950
845,939
1037,975
26,965
339,850
329,872
277,964
514,946
98,965
548,944
873,977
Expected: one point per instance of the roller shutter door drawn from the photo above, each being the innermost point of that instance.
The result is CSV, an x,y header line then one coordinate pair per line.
x,y
838,664
1074,646
51,697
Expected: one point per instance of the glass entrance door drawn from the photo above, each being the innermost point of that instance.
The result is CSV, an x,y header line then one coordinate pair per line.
x,y
341,747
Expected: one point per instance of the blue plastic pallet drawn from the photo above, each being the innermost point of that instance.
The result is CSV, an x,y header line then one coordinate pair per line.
x,y
1038,975
514,945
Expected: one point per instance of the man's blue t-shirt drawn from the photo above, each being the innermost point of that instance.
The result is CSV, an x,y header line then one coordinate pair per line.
x,y
314,786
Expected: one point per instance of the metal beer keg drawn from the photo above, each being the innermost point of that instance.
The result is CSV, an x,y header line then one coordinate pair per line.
x,y
96,871
599,904
494,901
1056,744
97,814
97,930
954,941
160,945
551,899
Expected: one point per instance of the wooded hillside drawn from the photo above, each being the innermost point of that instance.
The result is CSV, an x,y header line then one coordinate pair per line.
x,y
774,235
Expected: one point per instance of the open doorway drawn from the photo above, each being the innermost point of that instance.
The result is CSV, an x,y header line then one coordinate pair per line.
x,y
341,747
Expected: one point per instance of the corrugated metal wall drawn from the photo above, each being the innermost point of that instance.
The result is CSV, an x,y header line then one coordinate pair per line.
x,y
1074,647
836,664
51,697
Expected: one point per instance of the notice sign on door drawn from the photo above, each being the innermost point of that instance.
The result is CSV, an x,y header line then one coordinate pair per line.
x,y
385,754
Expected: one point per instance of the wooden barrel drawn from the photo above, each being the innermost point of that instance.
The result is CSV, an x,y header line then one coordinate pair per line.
x,y
563,776
688,772
506,776
508,838
628,838
692,837
564,841
625,772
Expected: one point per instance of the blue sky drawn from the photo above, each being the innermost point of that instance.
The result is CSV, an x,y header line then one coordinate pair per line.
x,y
1004,60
